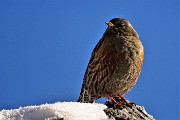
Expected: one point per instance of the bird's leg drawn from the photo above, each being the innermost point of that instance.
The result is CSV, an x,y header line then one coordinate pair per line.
x,y
122,98
125,102
118,101
120,104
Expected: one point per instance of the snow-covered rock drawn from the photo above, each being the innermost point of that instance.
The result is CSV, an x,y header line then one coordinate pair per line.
x,y
76,111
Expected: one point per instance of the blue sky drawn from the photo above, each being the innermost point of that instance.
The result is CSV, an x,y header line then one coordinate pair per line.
x,y
45,47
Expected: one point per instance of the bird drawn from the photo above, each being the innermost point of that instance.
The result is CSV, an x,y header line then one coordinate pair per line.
x,y
115,63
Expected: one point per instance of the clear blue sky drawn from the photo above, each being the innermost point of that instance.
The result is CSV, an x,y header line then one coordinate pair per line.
x,y
45,46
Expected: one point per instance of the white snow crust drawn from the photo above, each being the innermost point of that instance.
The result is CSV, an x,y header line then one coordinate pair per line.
x,y
56,111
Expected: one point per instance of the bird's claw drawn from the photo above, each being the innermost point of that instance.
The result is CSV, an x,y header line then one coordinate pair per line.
x,y
118,102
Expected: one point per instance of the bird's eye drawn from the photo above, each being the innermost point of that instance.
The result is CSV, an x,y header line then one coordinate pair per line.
x,y
121,25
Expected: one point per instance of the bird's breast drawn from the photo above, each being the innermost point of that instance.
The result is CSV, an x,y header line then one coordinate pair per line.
x,y
129,55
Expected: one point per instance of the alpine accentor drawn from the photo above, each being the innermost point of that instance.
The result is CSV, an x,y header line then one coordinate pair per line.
x,y
115,63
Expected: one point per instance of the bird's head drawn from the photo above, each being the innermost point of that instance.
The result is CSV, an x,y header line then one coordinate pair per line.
x,y
121,26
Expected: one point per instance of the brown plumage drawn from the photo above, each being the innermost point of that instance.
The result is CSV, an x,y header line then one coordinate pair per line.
x,y
115,63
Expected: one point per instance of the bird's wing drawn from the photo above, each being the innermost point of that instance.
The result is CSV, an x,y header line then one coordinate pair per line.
x,y
101,67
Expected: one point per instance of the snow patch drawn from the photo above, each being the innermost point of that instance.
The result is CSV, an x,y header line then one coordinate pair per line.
x,y
66,110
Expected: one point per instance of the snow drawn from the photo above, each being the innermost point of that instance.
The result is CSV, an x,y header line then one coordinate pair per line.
x,y
56,111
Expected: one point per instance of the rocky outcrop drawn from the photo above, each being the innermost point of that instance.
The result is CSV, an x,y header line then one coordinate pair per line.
x,y
134,112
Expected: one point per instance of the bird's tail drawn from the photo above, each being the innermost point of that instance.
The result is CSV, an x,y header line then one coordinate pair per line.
x,y
85,97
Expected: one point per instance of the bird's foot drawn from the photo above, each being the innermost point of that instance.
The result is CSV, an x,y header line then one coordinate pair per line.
x,y
118,102
126,102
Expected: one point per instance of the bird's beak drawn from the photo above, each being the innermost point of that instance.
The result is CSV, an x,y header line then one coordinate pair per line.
x,y
109,24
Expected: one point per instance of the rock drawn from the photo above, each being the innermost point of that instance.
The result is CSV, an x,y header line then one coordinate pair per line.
x,y
135,112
